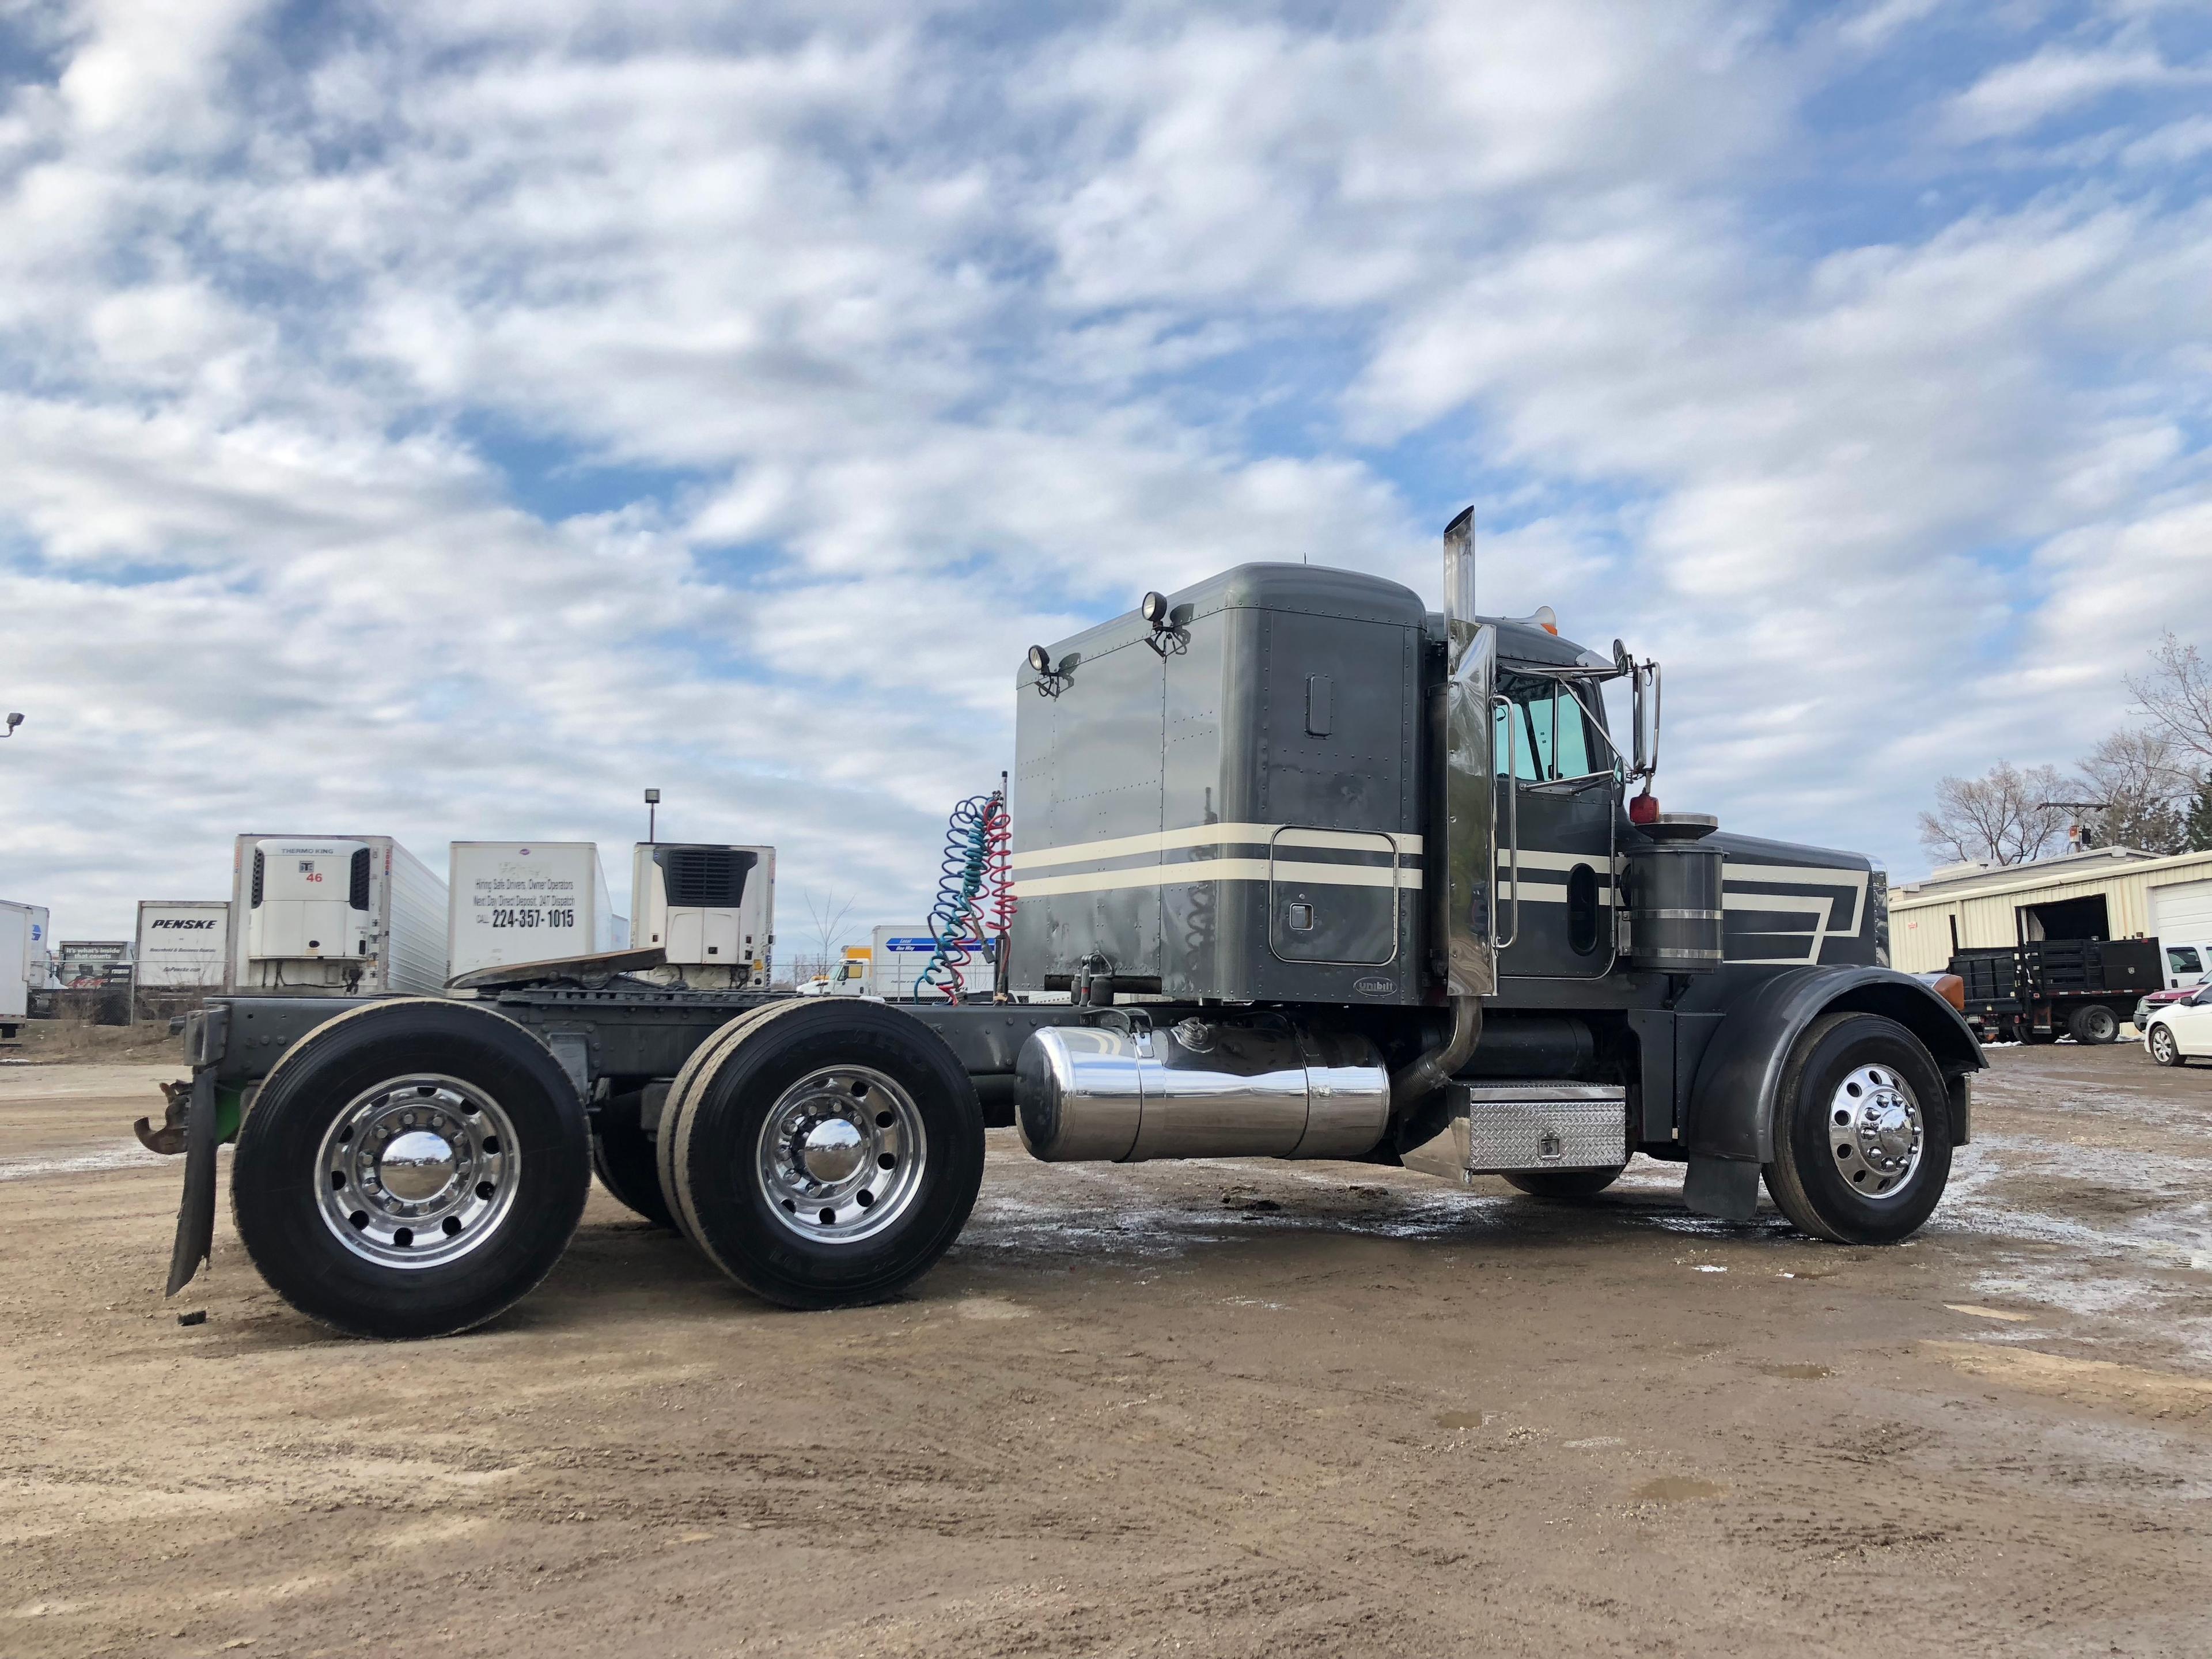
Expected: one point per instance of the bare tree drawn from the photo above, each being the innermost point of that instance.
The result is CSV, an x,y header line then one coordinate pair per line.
x,y
2003,817
2176,694
827,913
2145,788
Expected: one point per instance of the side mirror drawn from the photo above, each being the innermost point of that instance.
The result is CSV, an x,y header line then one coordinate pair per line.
x,y
1646,682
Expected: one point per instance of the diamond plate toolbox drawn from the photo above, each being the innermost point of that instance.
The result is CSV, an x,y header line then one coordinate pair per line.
x,y
1539,1125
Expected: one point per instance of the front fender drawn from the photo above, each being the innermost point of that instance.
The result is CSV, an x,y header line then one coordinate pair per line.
x,y
1732,1104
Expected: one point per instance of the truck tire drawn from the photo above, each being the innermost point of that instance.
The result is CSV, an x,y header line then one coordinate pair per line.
x,y
411,1168
2094,1023
1564,1184
621,1157
1862,1132
2029,1034
703,1060
825,1153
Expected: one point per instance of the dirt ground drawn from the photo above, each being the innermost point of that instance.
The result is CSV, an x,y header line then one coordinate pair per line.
x,y
1218,1409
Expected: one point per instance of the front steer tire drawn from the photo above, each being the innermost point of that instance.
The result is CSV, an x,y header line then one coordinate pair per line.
x,y
823,1154
520,1169
1825,1178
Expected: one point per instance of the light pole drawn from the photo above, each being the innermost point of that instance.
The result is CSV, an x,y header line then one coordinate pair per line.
x,y
13,720
652,813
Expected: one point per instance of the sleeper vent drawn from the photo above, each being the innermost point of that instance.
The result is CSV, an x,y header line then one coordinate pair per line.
x,y
359,896
256,905
705,878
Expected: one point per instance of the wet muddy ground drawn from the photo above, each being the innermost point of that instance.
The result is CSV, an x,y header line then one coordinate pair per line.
x,y
1216,1409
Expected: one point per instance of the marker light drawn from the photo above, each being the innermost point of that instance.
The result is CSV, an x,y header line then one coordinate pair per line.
x,y
1643,809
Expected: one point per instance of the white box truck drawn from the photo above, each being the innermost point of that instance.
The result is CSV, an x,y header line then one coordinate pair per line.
x,y
183,944
711,909
514,901
900,953
335,914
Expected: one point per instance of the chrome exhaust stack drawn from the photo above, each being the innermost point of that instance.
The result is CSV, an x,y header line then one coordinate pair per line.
x,y
1125,1092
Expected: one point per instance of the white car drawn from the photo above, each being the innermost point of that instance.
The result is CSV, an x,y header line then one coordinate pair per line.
x,y
2181,1030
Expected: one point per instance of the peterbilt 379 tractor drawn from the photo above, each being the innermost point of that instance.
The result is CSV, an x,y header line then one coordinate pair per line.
x,y
1323,874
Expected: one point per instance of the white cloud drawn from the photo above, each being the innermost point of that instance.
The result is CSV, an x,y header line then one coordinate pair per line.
x,y
2017,95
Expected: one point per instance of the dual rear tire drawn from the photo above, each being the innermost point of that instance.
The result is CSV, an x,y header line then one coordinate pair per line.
x,y
411,1168
415,1167
822,1154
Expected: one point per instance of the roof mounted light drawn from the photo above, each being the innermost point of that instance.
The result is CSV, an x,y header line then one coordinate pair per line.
x,y
1153,608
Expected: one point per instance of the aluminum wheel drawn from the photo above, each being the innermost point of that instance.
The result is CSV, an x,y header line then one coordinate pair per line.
x,y
2163,1048
417,1171
1876,1132
841,1154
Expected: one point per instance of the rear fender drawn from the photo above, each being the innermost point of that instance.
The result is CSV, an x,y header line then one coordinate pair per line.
x,y
1731,1117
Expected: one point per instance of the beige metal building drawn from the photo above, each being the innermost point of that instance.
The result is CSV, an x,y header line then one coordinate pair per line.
x,y
2110,892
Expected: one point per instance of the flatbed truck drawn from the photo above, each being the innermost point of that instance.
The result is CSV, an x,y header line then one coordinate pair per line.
x,y
1307,869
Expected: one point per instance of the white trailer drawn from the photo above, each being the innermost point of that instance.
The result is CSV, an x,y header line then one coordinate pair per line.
x,y
512,902
23,955
38,957
335,914
710,908
183,944
26,956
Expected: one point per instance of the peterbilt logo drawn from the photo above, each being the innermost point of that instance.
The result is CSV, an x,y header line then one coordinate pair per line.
x,y
180,922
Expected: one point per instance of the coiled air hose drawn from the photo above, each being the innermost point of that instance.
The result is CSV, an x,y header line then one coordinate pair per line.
x,y
975,891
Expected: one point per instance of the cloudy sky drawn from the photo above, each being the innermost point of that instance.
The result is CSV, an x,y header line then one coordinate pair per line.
x,y
447,420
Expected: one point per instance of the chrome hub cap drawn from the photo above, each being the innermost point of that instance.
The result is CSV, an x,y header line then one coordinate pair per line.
x,y
417,1171
841,1154
1875,1130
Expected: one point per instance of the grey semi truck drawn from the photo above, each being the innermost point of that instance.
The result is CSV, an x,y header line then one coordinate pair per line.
x,y
1322,874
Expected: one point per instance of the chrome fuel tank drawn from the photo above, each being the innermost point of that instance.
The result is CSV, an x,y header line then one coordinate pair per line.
x,y
1125,1092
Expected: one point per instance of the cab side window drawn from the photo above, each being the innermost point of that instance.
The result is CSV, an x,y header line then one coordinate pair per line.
x,y
1551,736
2183,959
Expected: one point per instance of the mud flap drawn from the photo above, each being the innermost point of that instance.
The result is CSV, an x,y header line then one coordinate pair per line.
x,y
1724,1187
196,1214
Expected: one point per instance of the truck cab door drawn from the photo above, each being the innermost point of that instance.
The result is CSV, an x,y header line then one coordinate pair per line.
x,y
1558,804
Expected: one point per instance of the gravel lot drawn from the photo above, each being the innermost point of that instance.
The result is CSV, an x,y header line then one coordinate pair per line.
x,y
1219,1409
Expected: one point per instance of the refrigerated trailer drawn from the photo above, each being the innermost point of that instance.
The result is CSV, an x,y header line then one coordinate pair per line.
x,y
334,915
1321,873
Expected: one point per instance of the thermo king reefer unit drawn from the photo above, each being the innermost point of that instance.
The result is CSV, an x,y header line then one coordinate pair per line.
x,y
711,909
338,913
